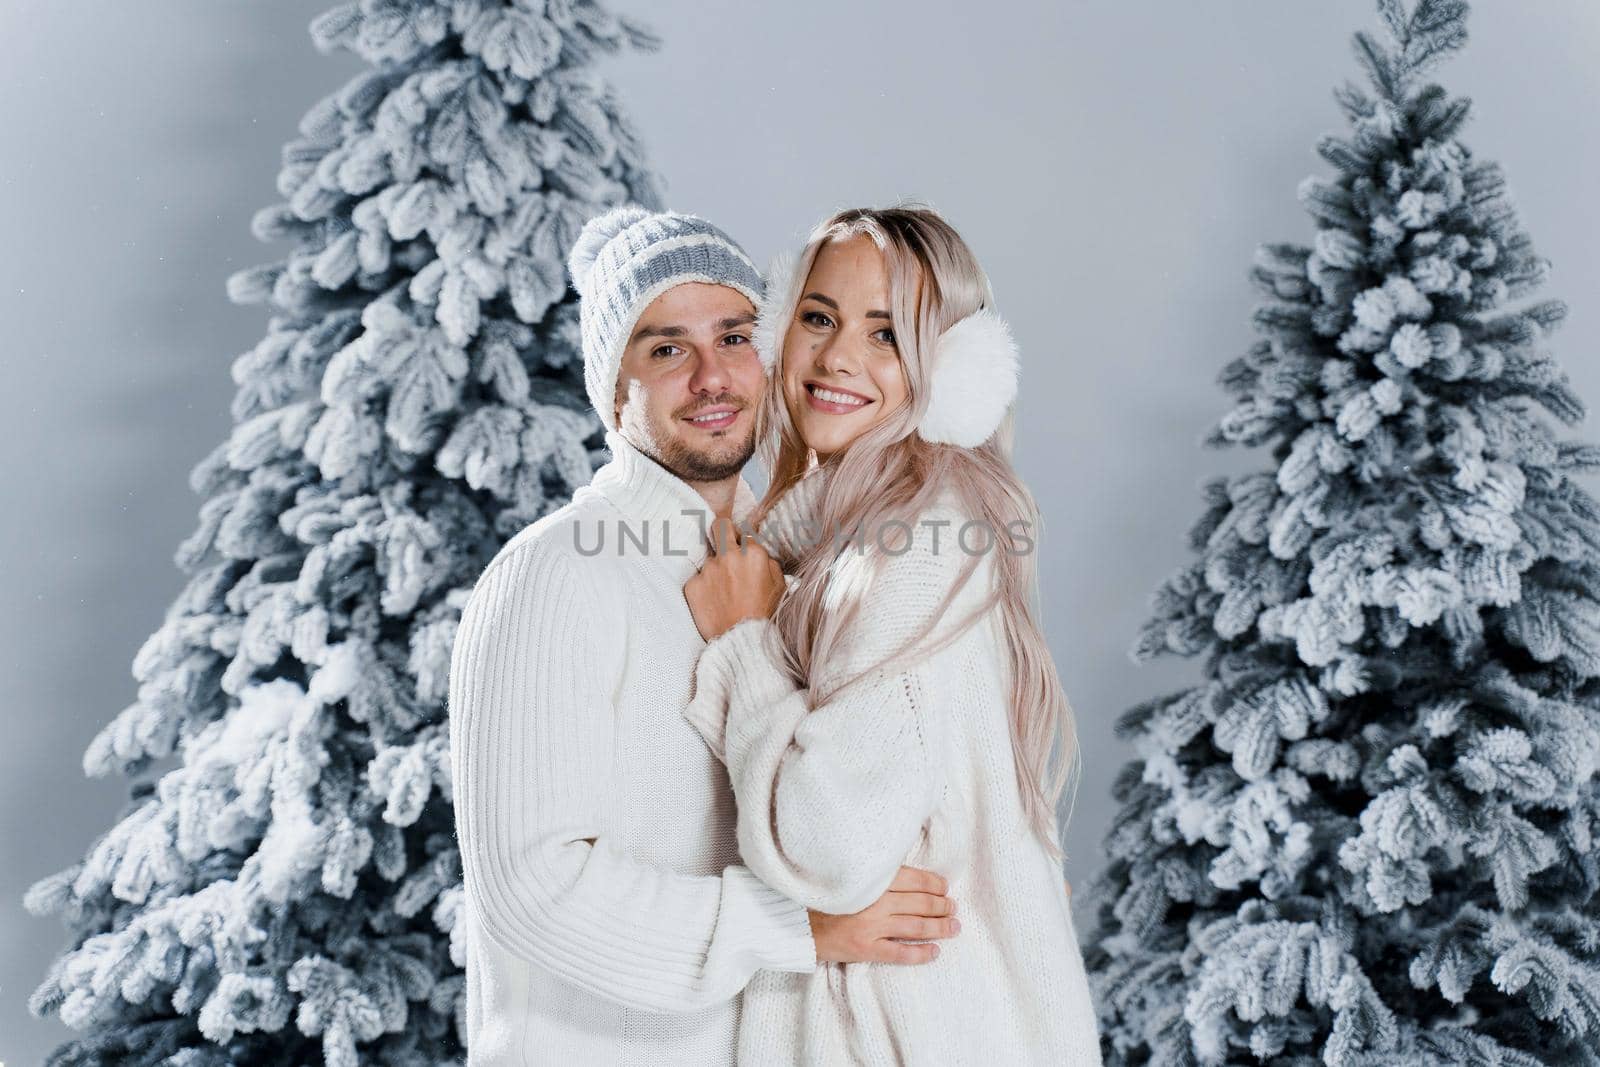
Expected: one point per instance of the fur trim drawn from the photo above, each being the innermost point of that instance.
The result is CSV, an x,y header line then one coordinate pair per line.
x,y
776,308
974,381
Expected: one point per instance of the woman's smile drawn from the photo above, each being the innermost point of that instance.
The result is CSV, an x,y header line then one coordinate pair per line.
x,y
832,400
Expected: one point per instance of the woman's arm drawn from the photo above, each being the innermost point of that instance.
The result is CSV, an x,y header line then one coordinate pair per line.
x,y
831,799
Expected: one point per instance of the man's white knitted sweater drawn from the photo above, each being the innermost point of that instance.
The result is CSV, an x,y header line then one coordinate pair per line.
x,y
608,919
910,765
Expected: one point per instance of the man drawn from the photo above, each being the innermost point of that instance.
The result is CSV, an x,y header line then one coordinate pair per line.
x,y
608,919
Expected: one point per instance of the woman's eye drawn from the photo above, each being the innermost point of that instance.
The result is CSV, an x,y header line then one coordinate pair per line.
x,y
885,335
816,318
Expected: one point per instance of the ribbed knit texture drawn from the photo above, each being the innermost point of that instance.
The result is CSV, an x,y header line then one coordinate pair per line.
x,y
608,918
911,765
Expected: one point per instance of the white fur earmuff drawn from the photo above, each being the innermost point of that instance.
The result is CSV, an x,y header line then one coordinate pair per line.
x,y
777,303
974,381
974,377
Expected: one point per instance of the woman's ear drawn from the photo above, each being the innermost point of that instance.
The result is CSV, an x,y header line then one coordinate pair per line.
x,y
973,383
777,306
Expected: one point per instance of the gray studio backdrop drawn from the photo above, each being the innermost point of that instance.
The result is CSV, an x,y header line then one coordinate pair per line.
x,y
1113,164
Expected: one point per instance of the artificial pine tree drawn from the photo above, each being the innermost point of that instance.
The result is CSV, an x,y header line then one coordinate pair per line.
x,y
1368,837
287,894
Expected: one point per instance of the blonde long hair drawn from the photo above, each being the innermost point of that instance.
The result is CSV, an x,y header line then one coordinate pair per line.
x,y
889,475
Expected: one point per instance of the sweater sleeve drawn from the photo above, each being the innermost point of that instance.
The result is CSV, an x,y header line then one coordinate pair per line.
x,y
832,798
532,736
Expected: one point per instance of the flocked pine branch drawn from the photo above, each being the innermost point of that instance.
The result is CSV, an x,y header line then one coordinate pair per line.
x,y
287,894
1368,836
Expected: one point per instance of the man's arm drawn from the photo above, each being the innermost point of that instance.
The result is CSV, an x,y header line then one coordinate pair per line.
x,y
531,741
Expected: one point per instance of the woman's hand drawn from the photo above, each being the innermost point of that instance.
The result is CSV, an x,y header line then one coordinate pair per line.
x,y
738,581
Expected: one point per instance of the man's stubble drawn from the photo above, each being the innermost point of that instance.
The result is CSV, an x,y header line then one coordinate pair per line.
x,y
725,459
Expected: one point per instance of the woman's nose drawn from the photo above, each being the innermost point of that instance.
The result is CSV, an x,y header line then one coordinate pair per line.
x,y
835,358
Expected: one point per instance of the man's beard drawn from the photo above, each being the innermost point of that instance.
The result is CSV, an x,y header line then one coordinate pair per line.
x,y
724,459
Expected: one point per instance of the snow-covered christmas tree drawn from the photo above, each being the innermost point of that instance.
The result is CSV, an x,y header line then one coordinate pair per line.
x,y
1368,837
286,893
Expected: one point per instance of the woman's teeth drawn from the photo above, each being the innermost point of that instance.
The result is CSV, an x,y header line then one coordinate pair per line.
x,y
836,398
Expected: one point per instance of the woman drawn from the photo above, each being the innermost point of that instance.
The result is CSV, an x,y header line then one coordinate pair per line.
x,y
899,705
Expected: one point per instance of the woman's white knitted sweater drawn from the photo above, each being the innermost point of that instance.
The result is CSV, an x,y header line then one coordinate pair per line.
x,y
607,917
909,765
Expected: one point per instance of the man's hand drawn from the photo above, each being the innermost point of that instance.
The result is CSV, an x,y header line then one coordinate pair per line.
x,y
914,906
738,581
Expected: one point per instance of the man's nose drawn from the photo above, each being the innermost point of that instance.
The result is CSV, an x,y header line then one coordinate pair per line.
x,y
708,375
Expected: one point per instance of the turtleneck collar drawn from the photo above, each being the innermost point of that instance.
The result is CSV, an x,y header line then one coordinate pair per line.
x,y
659,509
790,526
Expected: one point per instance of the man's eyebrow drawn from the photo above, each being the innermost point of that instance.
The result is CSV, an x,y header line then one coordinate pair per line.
x,y
648,330
819,298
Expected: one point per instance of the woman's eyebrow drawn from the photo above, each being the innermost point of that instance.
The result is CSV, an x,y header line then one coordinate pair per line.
x,y
819,298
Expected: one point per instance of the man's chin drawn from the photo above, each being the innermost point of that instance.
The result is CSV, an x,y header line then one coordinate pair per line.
x,y
697,456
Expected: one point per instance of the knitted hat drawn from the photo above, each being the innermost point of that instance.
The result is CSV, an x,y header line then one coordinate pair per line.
x,y
626,258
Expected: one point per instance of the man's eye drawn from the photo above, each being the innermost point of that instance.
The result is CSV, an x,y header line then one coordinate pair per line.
x,y
816,318
663,351
736,339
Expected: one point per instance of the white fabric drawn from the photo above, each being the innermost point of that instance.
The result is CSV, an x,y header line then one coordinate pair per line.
x,y
911,765
608,918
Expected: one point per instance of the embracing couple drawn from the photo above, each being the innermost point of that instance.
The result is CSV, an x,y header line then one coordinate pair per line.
x,y
773,781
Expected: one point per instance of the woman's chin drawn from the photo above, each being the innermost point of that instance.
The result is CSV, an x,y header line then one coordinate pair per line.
x,y
828,434
827,441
